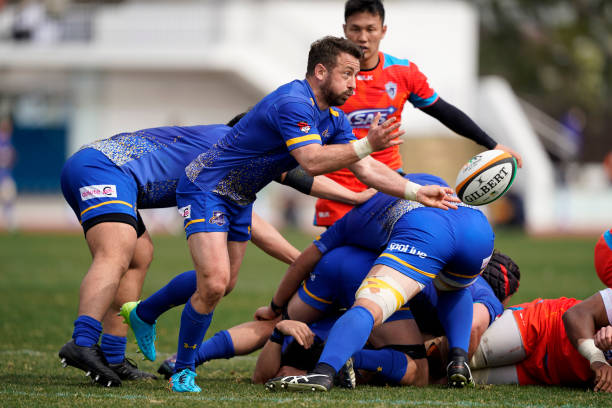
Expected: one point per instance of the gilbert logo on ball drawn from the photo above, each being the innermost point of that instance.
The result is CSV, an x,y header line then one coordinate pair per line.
x,y
486,177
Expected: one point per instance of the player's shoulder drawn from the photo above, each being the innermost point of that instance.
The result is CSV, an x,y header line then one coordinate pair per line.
x,y
391,62
297,91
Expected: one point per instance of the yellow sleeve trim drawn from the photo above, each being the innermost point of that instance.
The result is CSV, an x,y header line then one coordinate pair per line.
x,y
315,297
303,139
104,203
194,221
396,259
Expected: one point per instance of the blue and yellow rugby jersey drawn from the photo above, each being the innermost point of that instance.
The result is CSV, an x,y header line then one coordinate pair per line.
x,y
256,150
157,157
369,225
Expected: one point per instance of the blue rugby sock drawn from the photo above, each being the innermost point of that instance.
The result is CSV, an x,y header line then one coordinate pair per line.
x,y
389,363
113,348
455,311
192,331
87,331
176,292
347,336
218,346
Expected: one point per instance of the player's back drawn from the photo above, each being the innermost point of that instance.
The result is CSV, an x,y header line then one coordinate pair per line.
x,y
156,157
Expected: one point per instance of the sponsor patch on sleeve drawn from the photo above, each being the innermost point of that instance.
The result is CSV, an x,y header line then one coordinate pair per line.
x,y
98,191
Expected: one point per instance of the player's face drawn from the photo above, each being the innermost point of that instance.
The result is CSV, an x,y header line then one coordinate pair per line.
x,y
366,30
339,83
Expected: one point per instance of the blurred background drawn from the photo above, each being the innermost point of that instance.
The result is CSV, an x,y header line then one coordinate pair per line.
x,y
537,76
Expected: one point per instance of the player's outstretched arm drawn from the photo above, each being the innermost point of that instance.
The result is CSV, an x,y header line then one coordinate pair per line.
x,y
295,275
323,187
376,174
581,322
268,239
317,159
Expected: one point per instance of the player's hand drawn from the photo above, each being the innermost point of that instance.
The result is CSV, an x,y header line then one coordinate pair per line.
x,y
265,313
384,135
299,330
438,197
364,195
519,159
603,338
603,376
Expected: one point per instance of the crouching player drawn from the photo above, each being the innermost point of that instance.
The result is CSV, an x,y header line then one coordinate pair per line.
x,y
106,183
548,342
421,245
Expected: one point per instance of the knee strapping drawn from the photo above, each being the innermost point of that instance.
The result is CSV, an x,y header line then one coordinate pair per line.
x,y
385,291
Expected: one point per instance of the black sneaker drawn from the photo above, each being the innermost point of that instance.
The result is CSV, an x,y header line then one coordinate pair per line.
x,y
458,373
308,382
346,378
91,360
127,370
167,367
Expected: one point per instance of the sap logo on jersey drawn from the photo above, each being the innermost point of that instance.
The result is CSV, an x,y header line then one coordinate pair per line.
x,y
408,249
98,191
363,118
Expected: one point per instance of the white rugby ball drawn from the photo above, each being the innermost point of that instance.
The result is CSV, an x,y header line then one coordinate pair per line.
x,y
486,177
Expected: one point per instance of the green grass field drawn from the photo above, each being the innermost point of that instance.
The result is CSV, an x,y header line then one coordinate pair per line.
x,y
39,279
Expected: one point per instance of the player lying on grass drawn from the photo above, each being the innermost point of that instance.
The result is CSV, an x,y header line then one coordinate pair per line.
x,y
548,342
420,244
105,183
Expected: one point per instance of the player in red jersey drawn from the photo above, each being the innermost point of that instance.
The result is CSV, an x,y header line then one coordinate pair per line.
x,y
603,258
384,84
547,342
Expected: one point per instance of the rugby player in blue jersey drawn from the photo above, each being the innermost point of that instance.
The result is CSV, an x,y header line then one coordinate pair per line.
x,y
296,124
105,183
418,244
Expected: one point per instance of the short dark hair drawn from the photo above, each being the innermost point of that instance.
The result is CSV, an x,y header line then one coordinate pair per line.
x,y
236,119
374,7
503,275
326,50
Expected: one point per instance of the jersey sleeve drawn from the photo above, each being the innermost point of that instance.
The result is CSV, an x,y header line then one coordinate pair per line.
x,y
482,293
296,123
606,296
421,94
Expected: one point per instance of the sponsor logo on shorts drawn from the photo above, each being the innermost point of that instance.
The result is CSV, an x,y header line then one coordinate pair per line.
x,y
218,218
98,191
407,249
304,127
185,212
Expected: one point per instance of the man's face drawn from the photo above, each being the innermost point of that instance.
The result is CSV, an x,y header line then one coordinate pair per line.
x,y
339,83
366,30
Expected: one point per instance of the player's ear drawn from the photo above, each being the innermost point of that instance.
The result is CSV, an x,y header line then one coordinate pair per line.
x,y
384,31
320,71
344,29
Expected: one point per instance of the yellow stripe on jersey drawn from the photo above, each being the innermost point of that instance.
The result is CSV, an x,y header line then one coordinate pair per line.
x,y
381,284
404,308
315,297
303,139
333,112
462,276
395,258
194,221
104,203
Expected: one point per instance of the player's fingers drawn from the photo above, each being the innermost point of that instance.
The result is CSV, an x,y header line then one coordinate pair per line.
x,y
389,121
374,123
390,132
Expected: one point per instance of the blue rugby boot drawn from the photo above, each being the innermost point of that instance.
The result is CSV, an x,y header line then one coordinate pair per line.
x,y
144,332
184,381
